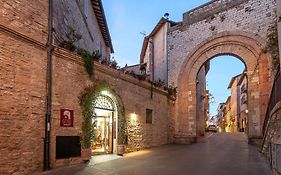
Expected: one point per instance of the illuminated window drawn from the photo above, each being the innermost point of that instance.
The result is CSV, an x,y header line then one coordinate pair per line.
x,y
149,116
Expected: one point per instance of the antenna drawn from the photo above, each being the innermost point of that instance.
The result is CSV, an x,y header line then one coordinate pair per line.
x,y
143,33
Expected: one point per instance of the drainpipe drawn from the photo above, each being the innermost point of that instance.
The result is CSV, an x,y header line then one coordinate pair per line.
x,y
49,91
152,66
166,53
152,59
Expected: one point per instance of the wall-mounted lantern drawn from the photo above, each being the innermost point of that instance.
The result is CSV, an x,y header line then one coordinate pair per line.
x,y
133,116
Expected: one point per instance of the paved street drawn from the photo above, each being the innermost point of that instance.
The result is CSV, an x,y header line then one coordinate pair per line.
x,y
216,154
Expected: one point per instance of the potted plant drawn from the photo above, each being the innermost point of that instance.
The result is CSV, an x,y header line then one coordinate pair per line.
x,y
122,137
86,140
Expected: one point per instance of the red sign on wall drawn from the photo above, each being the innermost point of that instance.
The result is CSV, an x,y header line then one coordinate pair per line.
x,y
66,118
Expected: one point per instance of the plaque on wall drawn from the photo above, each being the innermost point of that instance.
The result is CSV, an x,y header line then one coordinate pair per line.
x,y
66,118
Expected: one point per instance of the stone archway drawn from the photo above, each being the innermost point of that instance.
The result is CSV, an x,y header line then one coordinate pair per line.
x,y
99,100
249,49
104,89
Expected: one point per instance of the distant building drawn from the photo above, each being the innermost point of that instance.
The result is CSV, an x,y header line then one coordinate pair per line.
x,y
243,103
220,117
235,102
154,51
229,125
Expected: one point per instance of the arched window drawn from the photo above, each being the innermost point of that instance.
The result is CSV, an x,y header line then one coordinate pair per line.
x,y
103,102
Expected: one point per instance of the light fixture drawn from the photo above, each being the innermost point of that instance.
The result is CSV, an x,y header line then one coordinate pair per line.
x,y
133,116
246,111
105,92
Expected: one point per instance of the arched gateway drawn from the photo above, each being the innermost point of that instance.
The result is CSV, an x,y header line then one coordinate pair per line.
x,y
237,28
250,51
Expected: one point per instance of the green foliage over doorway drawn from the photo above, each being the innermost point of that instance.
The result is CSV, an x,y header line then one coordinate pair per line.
x,y
85,101
122,137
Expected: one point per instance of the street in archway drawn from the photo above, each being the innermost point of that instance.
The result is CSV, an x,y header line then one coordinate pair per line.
x,y
216,154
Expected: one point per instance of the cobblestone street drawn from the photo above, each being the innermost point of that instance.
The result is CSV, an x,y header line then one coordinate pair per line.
x,y
216,154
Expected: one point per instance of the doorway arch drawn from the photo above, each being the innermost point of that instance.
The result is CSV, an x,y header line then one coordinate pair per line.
x,y
107,105
105,122
249,49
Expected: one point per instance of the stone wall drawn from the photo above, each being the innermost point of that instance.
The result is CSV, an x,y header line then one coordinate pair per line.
x,y
160,53
69,81
279,26
253,17
240,31
201,97
272,140
69,15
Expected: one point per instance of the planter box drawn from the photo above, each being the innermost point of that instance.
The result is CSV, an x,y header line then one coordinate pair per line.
x,y
120,150
86,154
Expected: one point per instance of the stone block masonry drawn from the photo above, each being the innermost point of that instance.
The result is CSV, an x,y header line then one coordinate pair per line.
x,y
252,17
214,29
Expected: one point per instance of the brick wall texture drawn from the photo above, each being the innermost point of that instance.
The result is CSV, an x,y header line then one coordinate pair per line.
x,y
22,106
22,86
23,61
69,81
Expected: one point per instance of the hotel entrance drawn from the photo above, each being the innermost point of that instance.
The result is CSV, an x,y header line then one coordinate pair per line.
x,y
104,121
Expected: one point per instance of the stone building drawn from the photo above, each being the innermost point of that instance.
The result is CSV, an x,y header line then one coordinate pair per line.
x,y
271,144
234,102
154,58
243,107
154,51
237,28
221,117
236,114
84,24
229,124
41,82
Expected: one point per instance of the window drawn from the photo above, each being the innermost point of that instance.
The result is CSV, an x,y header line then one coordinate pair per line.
x,y
149,116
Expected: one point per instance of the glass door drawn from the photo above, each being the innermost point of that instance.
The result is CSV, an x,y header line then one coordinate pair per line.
x,y
102,142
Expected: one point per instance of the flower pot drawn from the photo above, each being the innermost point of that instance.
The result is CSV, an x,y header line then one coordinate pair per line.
x,y
120,149
86,154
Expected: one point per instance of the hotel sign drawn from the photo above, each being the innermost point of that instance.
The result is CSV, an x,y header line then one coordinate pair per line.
x,y
66,118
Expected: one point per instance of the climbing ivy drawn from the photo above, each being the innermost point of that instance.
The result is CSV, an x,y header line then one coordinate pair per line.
x,y
272,46
88,60
85,101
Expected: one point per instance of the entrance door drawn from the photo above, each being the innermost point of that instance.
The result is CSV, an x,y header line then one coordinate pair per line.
x,y
102,142
104,125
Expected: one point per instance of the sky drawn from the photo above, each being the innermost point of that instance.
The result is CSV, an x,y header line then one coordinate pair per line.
x,y
127,19
222,69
